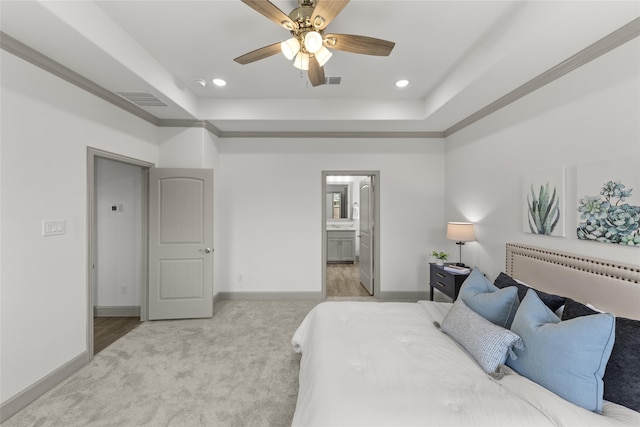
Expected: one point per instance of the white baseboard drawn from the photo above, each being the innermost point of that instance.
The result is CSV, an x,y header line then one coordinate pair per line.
x,y
13,405
117,311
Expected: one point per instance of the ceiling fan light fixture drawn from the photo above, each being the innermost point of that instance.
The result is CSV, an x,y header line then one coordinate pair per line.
x,y
302,61
290,47
323,55
312,41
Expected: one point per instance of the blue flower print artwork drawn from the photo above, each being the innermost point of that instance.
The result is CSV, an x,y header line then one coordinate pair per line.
x,y
608,217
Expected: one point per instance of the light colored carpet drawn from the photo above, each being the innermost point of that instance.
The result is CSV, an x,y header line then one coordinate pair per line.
x,y
236,369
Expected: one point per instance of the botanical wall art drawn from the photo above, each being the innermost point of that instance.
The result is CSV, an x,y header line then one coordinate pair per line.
x,y
544,202
609,202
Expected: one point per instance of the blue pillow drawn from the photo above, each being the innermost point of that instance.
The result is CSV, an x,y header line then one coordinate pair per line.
x,y
496,305
568,358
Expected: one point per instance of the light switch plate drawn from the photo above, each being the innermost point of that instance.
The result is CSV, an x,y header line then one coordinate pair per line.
x,y
53,228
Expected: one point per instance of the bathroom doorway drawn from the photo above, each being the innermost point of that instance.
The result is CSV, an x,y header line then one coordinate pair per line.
x,y
350,232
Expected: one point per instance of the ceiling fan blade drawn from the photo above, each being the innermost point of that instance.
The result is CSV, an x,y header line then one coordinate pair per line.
x,y
271,11
316,72
325,11
358,44
255,55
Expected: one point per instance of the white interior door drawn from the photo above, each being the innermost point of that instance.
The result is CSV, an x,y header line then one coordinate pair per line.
x,y
366,234
180,243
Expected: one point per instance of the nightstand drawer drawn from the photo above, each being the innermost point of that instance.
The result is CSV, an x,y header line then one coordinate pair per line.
x,y
442,282
446,282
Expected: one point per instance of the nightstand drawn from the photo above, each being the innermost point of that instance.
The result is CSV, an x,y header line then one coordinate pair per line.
x,y
444,281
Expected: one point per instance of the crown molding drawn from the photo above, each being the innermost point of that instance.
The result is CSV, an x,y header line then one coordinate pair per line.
x,y
211,128
240,134
180,123
606,44
185,123
36,58
615,39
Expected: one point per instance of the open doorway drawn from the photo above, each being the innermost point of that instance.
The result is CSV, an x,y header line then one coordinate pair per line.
x,y
350,235
117,229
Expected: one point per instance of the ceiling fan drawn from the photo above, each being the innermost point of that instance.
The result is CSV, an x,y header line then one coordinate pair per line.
x,y
309,45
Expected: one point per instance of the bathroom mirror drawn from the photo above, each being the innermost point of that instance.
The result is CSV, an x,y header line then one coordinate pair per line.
x,y
337,196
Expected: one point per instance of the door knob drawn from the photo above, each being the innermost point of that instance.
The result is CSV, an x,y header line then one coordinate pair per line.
x,y
207,250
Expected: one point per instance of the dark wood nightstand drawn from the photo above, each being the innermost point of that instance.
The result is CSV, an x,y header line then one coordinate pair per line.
x,y
444,281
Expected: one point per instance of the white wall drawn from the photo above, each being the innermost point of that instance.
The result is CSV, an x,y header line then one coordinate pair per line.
x,y
47,125
589,115
118,234
270,202
187,148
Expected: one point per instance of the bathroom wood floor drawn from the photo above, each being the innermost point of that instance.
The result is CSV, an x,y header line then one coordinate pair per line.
x,y
107,330
343,280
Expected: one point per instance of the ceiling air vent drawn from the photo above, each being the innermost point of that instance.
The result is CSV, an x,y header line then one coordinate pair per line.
x,y
142,99
332,80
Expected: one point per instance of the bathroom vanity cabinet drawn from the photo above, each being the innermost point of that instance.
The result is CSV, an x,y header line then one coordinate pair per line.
x,y
341,245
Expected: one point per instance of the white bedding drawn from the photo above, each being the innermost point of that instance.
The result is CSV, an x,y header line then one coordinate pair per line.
x,y
386,364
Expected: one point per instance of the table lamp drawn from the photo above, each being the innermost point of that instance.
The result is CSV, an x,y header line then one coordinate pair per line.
x,y
461,232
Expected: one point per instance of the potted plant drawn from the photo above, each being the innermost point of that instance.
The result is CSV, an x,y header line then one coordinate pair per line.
x,y
440,257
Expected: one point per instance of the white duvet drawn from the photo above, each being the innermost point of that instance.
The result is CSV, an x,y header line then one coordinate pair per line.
x,y
386,364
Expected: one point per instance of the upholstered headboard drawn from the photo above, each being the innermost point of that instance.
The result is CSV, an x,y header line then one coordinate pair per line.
x,y
607,285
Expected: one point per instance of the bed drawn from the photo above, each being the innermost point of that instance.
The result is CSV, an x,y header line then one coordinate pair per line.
x,y
398,364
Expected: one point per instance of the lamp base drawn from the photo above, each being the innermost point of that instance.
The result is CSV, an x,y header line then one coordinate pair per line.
x,y
460,263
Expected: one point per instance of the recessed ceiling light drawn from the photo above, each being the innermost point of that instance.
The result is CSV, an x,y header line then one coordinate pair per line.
x,y
200,82
402,83
219,82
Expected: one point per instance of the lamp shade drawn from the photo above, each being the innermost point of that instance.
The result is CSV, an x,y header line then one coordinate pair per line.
x,y
302,61
312,41
323,55
290,48
460,231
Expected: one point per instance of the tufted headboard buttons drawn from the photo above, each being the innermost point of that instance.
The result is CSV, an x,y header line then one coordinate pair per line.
x,y
607,285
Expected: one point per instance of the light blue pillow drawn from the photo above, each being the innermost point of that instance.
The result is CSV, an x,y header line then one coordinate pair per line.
x,y
497,305
568,358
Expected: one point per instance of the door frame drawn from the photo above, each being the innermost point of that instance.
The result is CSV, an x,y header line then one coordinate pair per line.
x,y
92,155
375,175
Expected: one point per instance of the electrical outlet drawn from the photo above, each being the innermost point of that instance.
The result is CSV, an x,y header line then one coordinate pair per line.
x,y
124,289
240,278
